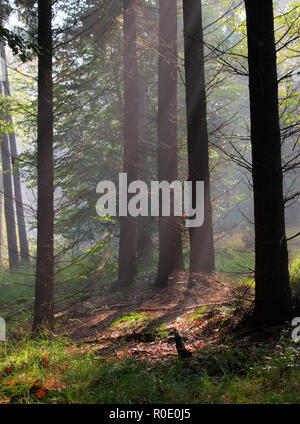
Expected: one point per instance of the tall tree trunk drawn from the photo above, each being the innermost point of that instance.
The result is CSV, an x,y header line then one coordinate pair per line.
x,y
273,294
44,286
170,243
144,239
24,250
202,256
1,210
8,193
128,229
9,204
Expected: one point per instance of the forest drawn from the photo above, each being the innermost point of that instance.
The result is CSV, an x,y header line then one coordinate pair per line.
x,y
149,203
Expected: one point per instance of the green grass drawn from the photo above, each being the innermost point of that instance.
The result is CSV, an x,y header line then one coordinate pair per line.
x,y
198,313
233,259
130,321
60,372
295,269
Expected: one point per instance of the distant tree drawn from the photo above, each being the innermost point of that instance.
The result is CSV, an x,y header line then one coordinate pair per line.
x,y
144,233
9,210
145,24
44,286
128,228
202,257
24,249
170,242
273,294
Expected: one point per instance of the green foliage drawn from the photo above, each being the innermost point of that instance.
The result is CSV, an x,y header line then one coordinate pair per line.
x,y
295,271
25,51
199,313
233,260
57,371
130,321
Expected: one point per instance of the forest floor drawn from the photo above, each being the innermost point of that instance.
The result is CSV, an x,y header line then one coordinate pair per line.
x,y
141,308
116,346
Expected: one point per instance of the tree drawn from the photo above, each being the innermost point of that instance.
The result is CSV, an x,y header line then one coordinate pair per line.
x,y
170,243
8,189
144,224
273,294
44,285
128,228
145,23
202,257
24,250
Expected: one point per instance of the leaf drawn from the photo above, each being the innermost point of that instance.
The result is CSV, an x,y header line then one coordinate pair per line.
x,y
41,393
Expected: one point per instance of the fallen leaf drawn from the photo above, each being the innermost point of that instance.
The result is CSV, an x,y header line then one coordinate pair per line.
x,y
41,393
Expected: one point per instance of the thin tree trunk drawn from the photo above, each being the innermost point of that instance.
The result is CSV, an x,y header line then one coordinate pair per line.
x,y
9,204
1,211
24,250
44,287
128,229
170,243
8,195
202,256
144,239
273,294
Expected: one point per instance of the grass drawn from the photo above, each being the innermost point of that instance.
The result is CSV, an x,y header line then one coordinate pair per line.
x,y
198,313
233,259
295,269
130,321
57,371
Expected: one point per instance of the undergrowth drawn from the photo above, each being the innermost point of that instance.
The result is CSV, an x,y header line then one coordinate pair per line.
x,y
54,370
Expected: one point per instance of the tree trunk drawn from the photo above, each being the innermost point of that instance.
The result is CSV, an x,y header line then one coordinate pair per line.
x,y
128,229
170,242
8,194
1,211
273,294
144,239
202,256
44,288
24,250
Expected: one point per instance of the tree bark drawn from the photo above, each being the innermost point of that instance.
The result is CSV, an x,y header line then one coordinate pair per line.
x,y
202,256
1,211
8,194
44,286
170,242
128,228
24,250
273,294
144,234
